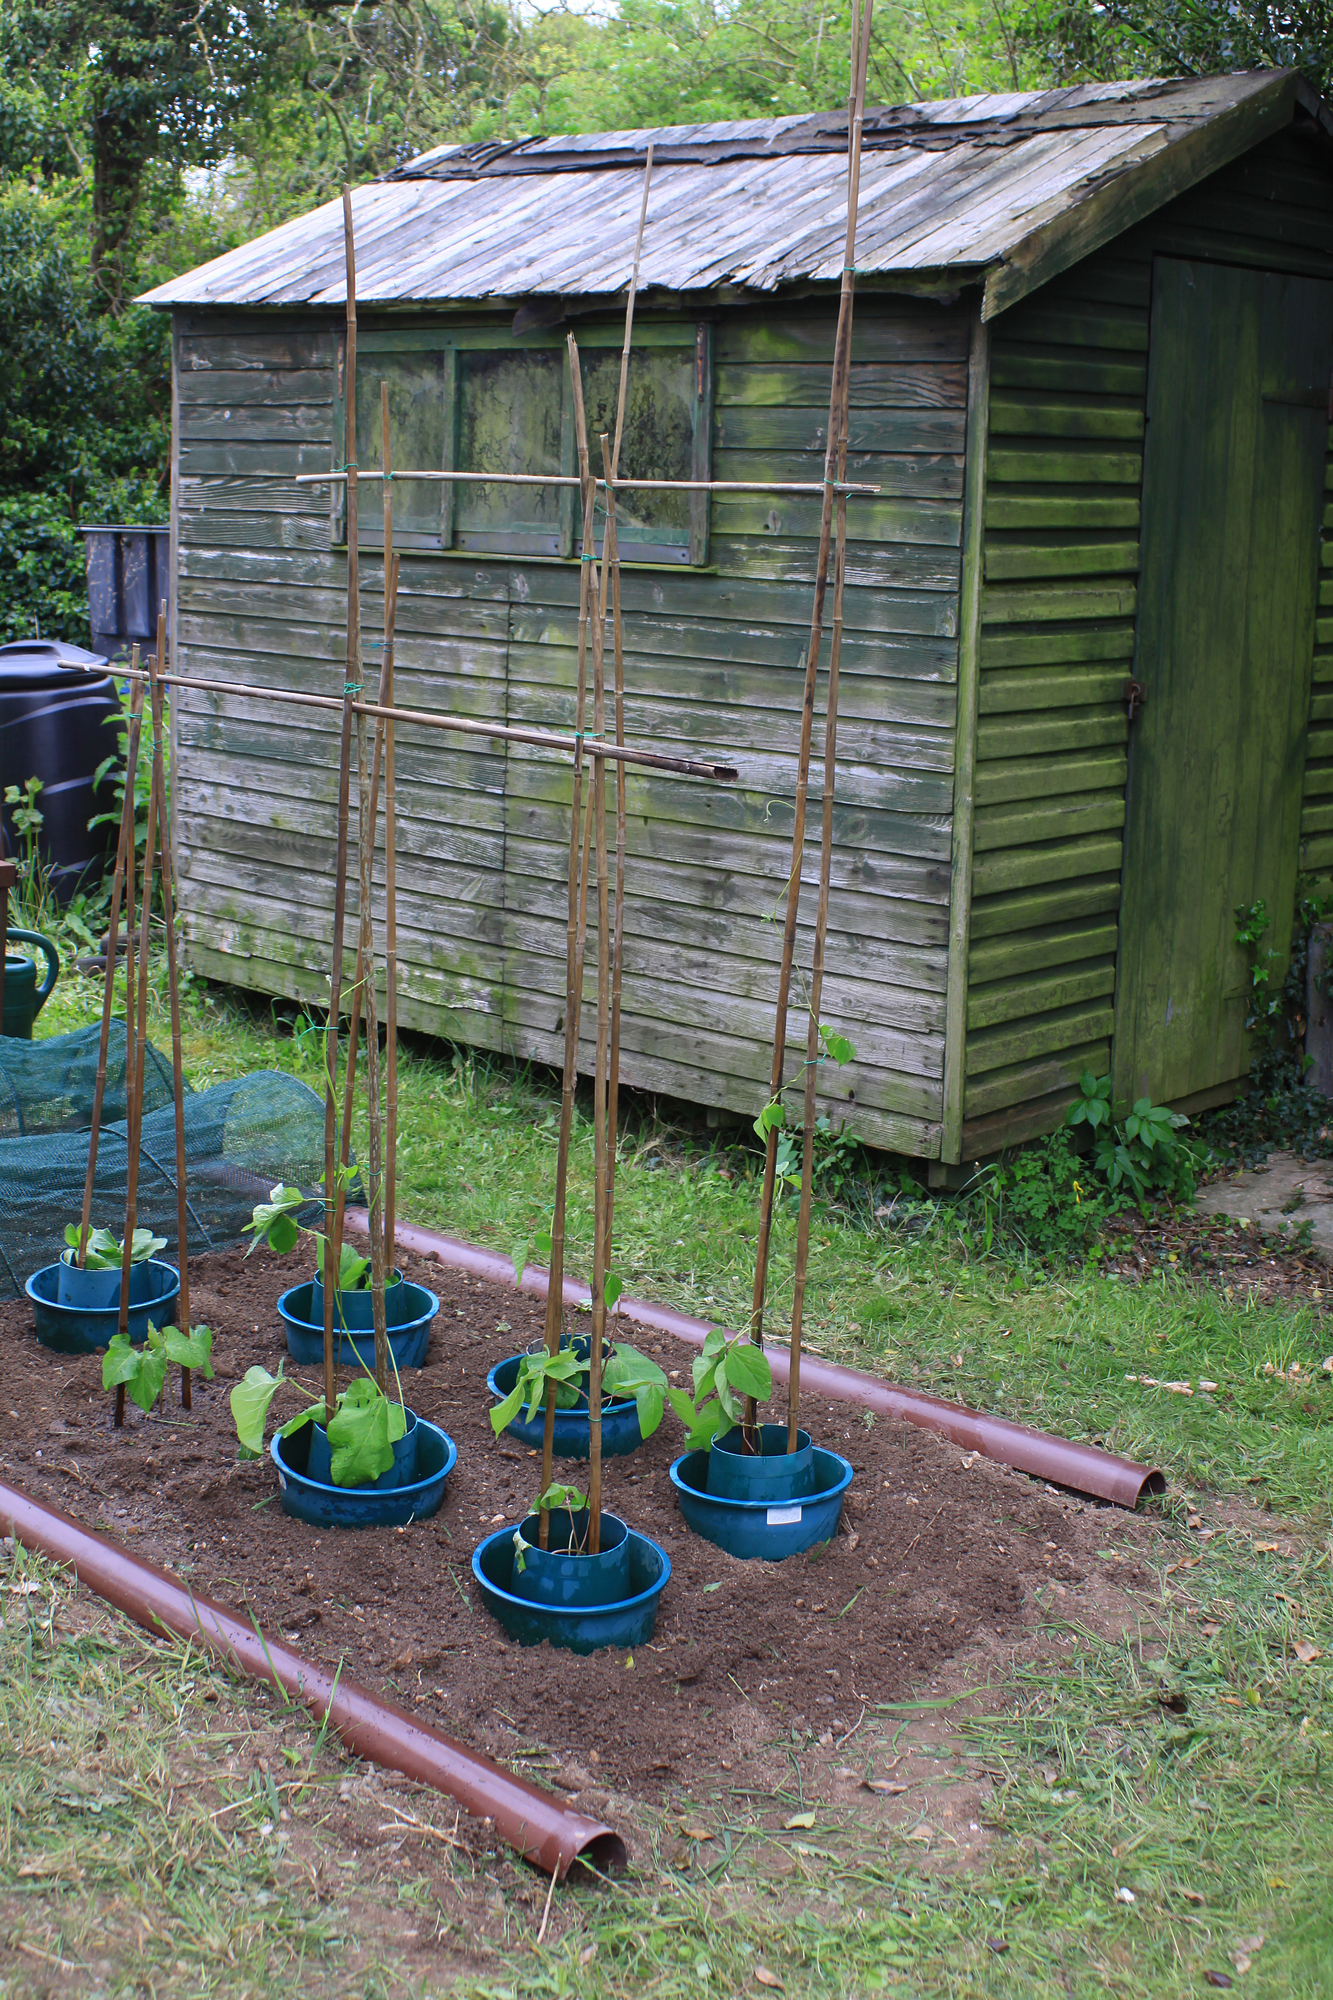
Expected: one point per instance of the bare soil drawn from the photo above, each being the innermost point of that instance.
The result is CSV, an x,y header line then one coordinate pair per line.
x,y
936,1557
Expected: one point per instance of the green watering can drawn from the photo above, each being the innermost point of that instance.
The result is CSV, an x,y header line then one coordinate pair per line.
x,y
24,998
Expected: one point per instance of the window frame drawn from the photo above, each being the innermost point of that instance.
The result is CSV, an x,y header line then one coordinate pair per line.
x,y
452,340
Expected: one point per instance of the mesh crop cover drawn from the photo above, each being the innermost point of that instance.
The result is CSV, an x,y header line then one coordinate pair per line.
x,y
240,1139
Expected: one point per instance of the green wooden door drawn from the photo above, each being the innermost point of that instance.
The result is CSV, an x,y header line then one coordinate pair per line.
x,y
1238,385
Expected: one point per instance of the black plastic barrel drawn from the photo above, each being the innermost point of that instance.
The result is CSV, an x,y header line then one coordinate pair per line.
x,y
128,579
55,701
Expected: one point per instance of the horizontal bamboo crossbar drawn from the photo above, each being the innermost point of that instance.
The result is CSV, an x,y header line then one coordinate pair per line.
x,y
563,479
539,739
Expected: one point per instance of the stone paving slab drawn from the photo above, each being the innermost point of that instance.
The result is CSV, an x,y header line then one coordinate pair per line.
x,y
1281,1197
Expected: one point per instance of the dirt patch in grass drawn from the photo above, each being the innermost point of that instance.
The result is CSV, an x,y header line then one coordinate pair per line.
x,y
1235,1256
937,1555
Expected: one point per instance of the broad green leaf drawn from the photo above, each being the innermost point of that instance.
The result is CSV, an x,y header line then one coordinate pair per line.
x,y
249,1405
612,1289
725,1393
520,1260
192,1350
771,1119
144,1246
541,1244
314,1415
503,1414
701,1426
363,1432
120,1362
748,1370
272,1220
145,1387
837,1046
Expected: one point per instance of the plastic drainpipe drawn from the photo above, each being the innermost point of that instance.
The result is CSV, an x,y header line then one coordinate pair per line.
x,y
1061,1461
542,1829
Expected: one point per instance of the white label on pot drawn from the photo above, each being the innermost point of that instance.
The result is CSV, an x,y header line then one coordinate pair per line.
x,y
282,1481
778,1517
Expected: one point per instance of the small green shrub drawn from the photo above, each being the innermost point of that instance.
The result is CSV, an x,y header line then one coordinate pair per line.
x,y
1144,1156
1049,1198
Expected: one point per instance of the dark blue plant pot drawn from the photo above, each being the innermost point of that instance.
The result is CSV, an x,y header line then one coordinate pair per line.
x,y
319,1461
620,1421
408,1342
772,1473
328,1506
765,1528
357,1308
555,1575
101,1288
629,1623
83,1329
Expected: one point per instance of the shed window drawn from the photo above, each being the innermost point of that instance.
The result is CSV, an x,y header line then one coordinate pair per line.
x,y
475,402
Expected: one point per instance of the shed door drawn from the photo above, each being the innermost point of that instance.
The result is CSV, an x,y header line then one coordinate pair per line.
x,y
1238,388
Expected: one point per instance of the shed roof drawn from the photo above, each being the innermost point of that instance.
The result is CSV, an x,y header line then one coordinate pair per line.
x,y
1005,189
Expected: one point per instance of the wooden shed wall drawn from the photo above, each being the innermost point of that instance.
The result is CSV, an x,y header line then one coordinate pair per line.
x,y
1068,386
713,662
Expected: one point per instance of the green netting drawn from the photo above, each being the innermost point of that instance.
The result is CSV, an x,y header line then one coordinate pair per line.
x,y
240,1139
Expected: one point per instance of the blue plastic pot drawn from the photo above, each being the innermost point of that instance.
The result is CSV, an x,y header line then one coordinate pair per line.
x,y
408,1342
319,1460
327,1506
772,1473
628,1623
100,1288
83,1329
558,1575
620,1421
765,1528
357,1308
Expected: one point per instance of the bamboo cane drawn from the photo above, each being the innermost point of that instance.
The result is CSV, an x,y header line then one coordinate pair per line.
x,y
124,846
390,844
130,988
573,946
837,398
354,1022
173,988
375,1192
601,1177
618,669
333,1185
134,1097
383,731
462,725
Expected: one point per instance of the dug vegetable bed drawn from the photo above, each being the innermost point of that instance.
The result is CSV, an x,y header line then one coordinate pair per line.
x,y
936,1552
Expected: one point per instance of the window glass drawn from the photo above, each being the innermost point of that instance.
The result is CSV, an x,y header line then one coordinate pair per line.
x,y
510,411
416,440
658,441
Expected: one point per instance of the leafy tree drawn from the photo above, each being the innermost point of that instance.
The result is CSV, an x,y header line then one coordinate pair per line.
x,y
1108,39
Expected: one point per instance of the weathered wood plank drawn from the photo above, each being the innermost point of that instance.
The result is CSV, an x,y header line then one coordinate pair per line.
x,y
1031,646
1008,956
231,386
783,514
1030,690
1029,511
278,350
1056,861
1007,561
937,476
767,558
932,334
1039,1037
1034,416
1024,997
1043,777
741,428
1089,467
1012,605
1014,366
1029,1083
1030,820
1053,903
873,386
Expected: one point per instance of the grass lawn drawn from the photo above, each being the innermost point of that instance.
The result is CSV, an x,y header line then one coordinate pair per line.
x,y
1161,1795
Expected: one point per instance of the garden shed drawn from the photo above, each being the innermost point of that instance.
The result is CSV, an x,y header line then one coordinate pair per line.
x,y
1087,686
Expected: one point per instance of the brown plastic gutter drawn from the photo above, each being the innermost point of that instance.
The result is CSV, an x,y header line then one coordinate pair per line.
x,y
1061,1461
542,1829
